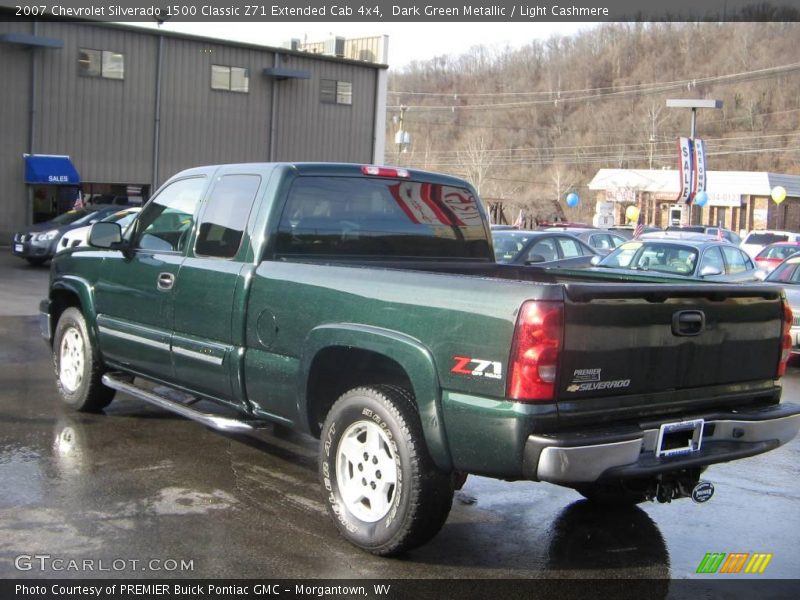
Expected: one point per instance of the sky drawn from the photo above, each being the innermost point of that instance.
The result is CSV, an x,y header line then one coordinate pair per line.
x,y
407,41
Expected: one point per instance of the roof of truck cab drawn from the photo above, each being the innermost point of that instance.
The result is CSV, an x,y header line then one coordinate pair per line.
x,y
326,168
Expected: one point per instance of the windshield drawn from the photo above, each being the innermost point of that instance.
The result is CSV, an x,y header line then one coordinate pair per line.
x,y
653,256
71,216
788,272
779,252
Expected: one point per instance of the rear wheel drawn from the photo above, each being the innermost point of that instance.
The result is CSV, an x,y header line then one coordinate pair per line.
x,y
77,365
381,487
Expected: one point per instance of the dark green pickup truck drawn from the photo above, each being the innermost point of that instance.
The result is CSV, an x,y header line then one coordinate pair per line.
x,y
362,305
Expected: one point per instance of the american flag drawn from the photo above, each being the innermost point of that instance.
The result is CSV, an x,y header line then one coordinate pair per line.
x,y
639,225
520,222
720,236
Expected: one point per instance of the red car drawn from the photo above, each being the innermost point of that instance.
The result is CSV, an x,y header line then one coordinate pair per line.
x,y
774,254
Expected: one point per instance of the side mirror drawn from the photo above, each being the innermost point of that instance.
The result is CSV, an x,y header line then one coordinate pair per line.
x,y
105,235
710,271
596,260
535,258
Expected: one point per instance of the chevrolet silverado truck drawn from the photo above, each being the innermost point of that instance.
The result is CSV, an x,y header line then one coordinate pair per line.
x,y
362,305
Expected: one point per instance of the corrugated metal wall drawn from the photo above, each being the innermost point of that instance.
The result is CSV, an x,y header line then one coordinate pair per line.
x,y
107,126
201,126
307,129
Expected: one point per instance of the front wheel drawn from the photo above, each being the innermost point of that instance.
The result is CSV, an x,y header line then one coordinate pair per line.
x,y
381,487
77,365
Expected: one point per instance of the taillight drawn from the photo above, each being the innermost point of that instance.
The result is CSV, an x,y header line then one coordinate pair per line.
x,y
786,339
384,171
534,351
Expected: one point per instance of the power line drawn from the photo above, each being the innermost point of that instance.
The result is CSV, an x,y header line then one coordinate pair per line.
x,y
559,97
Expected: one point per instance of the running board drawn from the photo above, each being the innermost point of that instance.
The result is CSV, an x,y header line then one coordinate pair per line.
x,y
228,424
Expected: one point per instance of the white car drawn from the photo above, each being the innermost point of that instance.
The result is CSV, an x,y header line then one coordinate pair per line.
x,y
80,237
755,241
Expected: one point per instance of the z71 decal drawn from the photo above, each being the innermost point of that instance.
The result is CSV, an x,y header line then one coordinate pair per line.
x,y
466,365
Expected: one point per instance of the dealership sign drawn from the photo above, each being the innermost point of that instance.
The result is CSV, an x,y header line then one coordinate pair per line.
x,y
692,162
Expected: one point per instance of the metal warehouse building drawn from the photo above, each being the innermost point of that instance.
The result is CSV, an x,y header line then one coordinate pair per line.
x,y
112,111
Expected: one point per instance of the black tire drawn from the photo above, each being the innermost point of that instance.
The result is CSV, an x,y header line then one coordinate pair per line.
x,y
616,493
79,381
417,504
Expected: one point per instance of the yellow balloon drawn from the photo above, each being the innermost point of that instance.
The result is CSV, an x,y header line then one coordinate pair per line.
x,y
632,213
778,194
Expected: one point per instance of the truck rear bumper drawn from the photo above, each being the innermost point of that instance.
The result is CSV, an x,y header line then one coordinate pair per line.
x,y
569,458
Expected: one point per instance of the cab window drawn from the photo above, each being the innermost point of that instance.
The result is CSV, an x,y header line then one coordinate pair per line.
x,y
165,223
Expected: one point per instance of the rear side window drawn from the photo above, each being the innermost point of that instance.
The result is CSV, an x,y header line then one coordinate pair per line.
x,y
361,216
735,259
225,216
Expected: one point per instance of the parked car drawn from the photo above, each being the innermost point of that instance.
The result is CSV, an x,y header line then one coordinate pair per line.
x,y
79,237
755,241
541,248
39,243
727,234
602,241
709,260
787,274
774,254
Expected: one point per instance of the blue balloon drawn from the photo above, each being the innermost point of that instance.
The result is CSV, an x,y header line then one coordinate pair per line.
x,y
701,199
572,200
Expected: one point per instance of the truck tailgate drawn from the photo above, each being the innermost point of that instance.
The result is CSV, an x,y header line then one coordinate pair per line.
x,y
626,340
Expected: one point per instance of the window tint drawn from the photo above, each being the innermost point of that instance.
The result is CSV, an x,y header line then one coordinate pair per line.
x,y
225,216
735,260
712,258
570,248
165,222
363,216
545,249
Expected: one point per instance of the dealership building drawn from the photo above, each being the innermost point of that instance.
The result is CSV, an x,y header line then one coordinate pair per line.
x,y
109,112
737,200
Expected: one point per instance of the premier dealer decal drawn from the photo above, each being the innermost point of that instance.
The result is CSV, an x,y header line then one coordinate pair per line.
x,y
589,380
466,365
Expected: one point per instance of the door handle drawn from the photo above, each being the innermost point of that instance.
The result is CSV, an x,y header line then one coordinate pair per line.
x,y
688,322
165,281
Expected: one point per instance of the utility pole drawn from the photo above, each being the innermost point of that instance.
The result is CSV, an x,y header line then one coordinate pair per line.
x,y
694,104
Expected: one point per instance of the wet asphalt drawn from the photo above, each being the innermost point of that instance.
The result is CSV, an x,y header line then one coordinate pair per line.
x,y
142,491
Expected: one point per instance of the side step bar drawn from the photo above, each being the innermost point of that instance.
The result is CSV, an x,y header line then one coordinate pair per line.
x,y
122,383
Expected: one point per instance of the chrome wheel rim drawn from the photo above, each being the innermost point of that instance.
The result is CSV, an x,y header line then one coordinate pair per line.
x,y
366,471
71,359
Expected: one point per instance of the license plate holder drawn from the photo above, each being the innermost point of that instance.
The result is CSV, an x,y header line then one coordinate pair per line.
x,y
18,248
679,438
